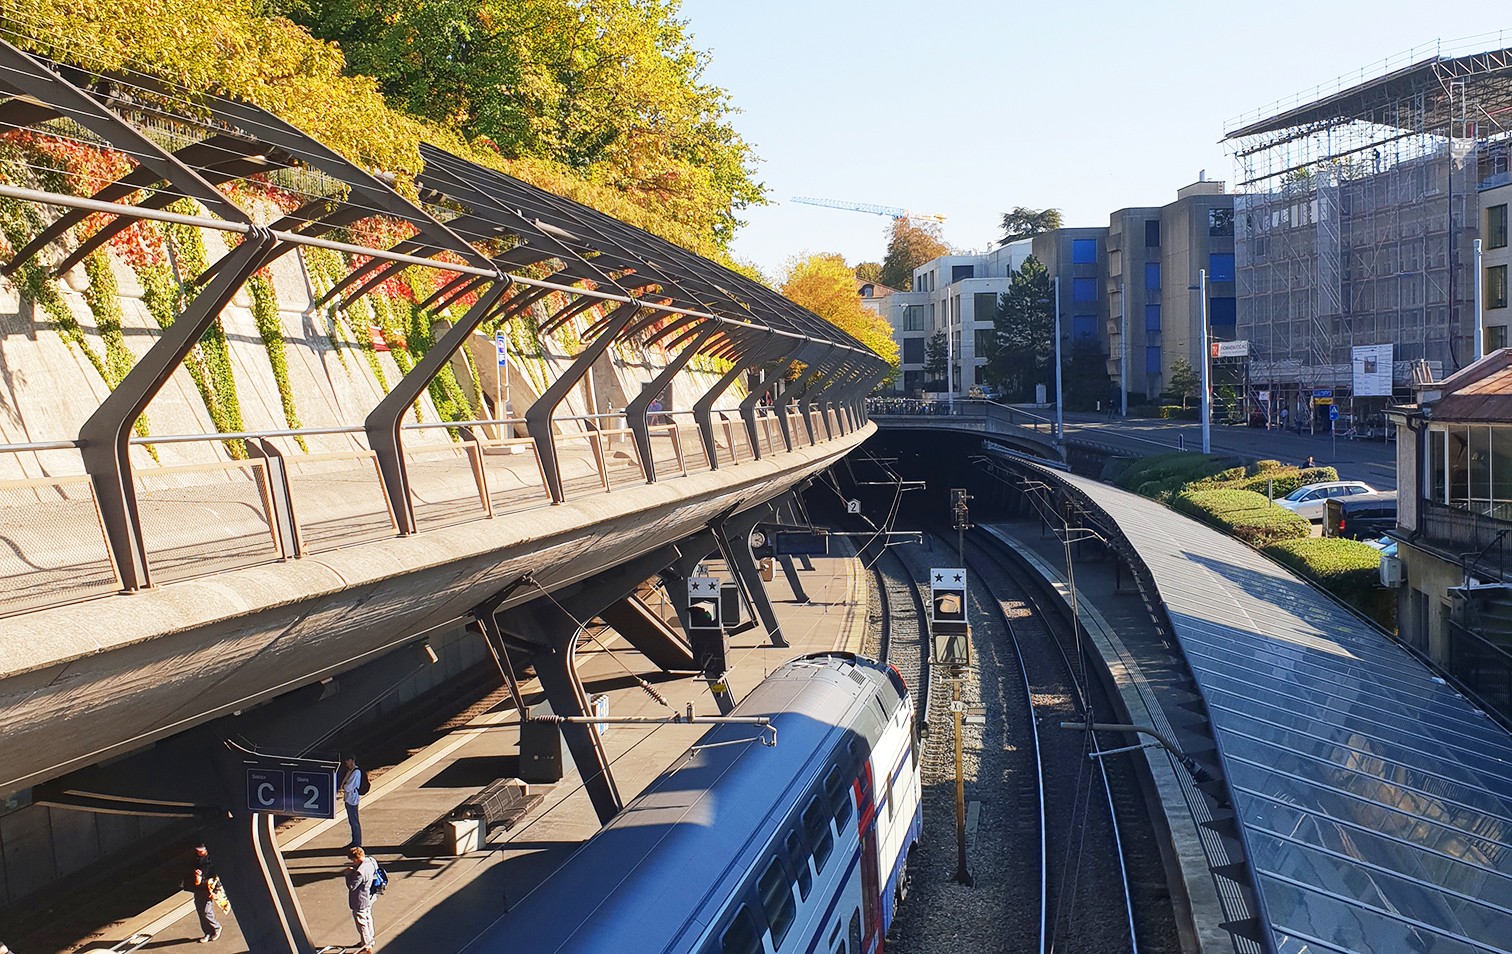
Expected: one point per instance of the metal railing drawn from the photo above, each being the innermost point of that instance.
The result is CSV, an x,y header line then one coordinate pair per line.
x,y
970,408
1465,532
283,502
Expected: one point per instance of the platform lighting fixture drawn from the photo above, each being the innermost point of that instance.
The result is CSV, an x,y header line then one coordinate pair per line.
x,y
1207,391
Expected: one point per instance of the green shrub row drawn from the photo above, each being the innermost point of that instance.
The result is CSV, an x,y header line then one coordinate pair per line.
x,y
1348,569
1244,514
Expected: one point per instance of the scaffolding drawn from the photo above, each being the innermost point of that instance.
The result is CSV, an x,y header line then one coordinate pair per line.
x,y
1356,217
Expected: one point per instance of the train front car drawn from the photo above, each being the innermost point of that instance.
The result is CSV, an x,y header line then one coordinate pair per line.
x,y
744,848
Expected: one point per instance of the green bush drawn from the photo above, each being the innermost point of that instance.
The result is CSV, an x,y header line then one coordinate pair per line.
x,y
1244,514
1163,475
1348,569
1175,412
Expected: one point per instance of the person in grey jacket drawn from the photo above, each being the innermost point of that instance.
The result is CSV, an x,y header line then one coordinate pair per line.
x,y
360,872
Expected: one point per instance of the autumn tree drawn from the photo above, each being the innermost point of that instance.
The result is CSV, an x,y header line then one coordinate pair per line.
x,y
612,89
870,272
825,285
1024,328
1024,223
909,245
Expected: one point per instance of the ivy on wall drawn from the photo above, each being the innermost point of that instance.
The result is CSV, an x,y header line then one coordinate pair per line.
x,y
270,329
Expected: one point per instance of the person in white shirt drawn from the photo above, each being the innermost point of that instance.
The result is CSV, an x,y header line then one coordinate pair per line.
x,y
351,793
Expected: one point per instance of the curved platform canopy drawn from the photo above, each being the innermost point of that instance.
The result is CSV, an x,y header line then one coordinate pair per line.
x,y
1374,802
478,224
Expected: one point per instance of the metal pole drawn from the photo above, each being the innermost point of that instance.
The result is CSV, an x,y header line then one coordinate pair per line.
x,y
1060,423
1480,315
949,356
1207,390
1123,360
963,874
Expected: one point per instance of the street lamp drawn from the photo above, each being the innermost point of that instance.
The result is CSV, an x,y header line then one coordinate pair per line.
x,y
1060,424
1207,391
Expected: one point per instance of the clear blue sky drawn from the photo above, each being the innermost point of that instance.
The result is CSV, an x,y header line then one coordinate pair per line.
x,y
970,108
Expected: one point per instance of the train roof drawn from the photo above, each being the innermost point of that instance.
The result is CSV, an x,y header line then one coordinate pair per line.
x,y
685,843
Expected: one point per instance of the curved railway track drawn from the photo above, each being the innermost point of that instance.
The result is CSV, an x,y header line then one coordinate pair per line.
x,y
1048,851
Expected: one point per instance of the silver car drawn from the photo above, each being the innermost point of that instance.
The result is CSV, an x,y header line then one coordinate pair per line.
x,y
1308,500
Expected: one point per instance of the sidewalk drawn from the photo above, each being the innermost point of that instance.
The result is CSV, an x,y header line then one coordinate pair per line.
x,y
438,904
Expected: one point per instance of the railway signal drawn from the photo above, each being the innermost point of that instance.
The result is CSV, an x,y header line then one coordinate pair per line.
x,y
950,637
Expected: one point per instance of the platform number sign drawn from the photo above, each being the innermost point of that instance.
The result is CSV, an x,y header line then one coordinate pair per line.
x,y
501,348
303,792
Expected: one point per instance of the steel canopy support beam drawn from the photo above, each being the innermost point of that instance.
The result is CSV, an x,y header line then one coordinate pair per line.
x,y
635,411
704,406
538,415
382,424
555,621
785,395
245,849
649,634
104,438
733,533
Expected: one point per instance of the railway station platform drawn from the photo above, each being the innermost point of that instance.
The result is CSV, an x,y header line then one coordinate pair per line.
x,y
436,903
1371,804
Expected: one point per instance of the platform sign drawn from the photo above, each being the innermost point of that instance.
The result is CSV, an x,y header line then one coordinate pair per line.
x,y
306,792
501,345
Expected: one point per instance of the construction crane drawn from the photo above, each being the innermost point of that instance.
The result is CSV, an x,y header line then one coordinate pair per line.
x,y
888,210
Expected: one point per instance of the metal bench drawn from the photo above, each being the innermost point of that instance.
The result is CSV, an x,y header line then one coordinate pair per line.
x,y
500,804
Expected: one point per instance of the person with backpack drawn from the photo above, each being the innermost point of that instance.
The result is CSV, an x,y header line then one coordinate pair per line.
x,y
354,785
361,874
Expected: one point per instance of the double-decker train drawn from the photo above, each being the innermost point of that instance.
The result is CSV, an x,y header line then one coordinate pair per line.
x,y
744,848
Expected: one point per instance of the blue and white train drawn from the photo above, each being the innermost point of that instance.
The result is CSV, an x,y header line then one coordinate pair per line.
x,y
742,848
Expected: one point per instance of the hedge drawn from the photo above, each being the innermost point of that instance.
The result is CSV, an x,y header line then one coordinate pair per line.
x,y
1348,569
1243,513
1163,475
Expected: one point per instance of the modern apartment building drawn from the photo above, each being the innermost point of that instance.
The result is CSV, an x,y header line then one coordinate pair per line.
x,y
957,294
1156,257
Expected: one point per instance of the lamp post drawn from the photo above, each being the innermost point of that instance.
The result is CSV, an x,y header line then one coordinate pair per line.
x,y
1207,391
1060,424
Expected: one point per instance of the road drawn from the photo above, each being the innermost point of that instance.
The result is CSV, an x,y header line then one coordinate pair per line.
x,y
1371,461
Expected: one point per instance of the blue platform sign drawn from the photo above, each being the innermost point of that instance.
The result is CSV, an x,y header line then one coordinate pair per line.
x,y
501,345
306,792
1333,412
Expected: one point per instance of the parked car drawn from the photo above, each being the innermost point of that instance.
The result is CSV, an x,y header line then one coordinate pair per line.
x,y
1360,517
1308,500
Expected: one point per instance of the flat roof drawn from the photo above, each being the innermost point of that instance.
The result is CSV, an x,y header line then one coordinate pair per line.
x,y
1374,101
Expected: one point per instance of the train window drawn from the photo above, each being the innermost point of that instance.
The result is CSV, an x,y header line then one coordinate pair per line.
x,y
855,930
776,891
816,824
839,795
799,861
741,937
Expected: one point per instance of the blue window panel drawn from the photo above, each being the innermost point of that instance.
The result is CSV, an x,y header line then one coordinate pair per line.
x,y
1084,289
1223,315
1084,326
1152,361
1220,266
1084,251
1152,275
1152,317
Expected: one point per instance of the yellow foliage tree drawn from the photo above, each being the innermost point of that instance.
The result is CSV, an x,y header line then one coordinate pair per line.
x,y
825,285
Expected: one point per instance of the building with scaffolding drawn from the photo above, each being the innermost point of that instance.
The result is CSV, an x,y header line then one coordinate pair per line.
x,y
1356,231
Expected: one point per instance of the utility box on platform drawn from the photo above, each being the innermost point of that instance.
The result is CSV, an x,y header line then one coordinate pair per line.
x,y
540,749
